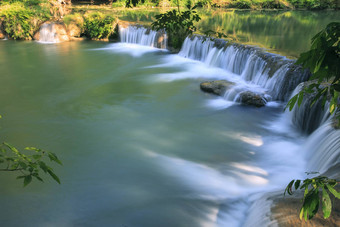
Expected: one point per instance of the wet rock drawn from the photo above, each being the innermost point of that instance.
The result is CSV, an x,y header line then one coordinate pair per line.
x,y
61,32
52,32
217,87
252,99
74,30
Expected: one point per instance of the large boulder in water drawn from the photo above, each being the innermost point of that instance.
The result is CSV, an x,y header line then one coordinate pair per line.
x,y
52,32
252,99
217,87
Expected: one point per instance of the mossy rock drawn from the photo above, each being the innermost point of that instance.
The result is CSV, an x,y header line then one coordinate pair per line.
x,y
217,87
252,99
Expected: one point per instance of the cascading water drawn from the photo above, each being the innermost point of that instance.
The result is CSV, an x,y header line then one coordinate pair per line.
x,y
276,74
279,77
143,36
48,33
307,118
322,147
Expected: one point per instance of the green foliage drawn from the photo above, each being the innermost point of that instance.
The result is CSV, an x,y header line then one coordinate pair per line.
x,y
323,60
119,3
22,18
178,25
28,165
314,188
212,35
75,19
313,4
16,21
241,4
98,25
203,3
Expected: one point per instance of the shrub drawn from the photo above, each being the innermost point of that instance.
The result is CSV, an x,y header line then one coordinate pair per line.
x,y
241,4
98,25
16,21
22,19
314,4
75,19
119,3
177,24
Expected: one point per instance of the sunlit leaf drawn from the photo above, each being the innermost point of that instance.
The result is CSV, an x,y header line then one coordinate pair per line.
x,y
326,204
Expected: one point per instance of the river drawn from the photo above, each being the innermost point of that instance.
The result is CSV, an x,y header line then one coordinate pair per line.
x,y
141,145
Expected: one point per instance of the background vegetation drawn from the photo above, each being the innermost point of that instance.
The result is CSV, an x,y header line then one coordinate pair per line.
x,y
21,19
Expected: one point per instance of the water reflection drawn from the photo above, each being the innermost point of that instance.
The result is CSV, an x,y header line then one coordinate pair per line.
x,y
284,32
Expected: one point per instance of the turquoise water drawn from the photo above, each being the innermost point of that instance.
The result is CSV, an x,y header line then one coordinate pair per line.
x,y
140,143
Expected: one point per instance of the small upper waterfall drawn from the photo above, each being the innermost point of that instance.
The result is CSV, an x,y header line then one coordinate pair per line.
x,y
143,36
276,74
48,33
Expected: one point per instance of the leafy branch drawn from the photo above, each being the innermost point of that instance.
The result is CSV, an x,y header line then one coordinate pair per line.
x,y
177,24
314,188
29,166
323,60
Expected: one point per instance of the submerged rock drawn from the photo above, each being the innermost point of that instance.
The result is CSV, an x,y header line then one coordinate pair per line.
x,y
252,99
217,87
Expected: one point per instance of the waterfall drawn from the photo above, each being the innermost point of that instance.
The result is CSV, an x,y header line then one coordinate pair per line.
x,y
143,36
276,74
48,33
323,148
307,118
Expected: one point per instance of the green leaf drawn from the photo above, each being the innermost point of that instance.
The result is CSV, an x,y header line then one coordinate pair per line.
x,y
326,204
43,166
333,191
332,108
301,94
289,188
53,176
301,212
37,156
22,164
27,180
297,184
312,203
53,157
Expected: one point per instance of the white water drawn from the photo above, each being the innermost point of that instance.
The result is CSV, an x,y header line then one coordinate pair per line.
x,y
288,156
48,33
143,36
239,189
249,63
